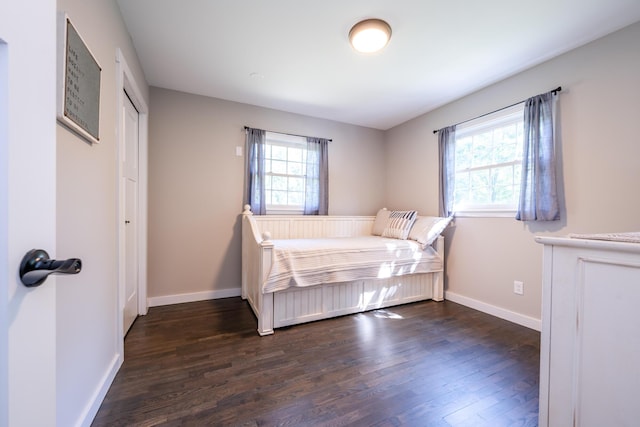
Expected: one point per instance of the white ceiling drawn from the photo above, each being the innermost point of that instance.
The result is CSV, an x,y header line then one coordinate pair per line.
x,y
293,55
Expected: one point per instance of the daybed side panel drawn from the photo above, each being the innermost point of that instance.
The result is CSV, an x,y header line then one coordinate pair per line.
x,y
398,290
297,306
438,277
343,298
264,301
265,317
256,261
301,305
246,261
250,256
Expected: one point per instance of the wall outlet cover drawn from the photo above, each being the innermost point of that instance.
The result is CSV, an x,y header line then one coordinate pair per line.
x,y
518,287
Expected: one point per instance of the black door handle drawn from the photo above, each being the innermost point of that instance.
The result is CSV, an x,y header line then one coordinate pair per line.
x,y
36,266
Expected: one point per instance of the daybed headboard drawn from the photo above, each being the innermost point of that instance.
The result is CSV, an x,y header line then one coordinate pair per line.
x,y
310,226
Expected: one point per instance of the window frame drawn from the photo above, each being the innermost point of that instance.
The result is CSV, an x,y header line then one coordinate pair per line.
x,y
495,120
290,141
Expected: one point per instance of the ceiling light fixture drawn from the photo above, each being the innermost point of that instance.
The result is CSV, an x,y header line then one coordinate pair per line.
x,y
370,35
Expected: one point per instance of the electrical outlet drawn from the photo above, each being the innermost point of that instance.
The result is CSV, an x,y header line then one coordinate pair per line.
x,y
518,287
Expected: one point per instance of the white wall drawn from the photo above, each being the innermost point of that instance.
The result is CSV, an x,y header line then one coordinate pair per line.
x,y
87,335
196,183
599,155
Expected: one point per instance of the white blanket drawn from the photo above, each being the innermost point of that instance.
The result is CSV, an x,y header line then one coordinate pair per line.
x,y
308,262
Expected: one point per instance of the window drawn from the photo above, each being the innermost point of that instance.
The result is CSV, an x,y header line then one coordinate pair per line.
x,y
285,172
488,163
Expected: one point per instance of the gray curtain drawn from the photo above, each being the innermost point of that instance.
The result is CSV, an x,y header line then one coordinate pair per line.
x,y
538,191
317,183
254,193
447,157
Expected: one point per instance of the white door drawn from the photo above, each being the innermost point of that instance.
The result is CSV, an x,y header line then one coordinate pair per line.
x,y
130,172
27,210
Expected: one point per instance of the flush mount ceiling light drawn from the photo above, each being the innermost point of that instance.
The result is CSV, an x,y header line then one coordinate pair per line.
x,y
370,35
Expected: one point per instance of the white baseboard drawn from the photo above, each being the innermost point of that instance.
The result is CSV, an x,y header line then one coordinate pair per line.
x,y
511,316
192,297
90,411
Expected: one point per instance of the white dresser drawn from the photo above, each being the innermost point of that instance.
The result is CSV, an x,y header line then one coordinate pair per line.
x,y
590,342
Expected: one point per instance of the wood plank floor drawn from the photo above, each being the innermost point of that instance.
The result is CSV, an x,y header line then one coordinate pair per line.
x,y
422,364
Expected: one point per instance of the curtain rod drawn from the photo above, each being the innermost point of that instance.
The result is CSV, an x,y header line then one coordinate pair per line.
x,y
290,134
556,90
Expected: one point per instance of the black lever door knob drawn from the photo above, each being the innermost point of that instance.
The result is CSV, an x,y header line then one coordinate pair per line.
x,y
36,266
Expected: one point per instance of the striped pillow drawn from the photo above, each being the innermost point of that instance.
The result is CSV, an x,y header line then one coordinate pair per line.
x,y
399,224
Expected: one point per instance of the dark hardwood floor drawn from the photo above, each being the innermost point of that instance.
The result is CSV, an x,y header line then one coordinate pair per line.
x,y
423,364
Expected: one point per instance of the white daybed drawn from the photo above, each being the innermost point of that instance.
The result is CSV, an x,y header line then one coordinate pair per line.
x,y
302,300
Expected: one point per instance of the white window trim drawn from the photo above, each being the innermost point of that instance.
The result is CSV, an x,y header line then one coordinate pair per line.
x,y
485,213
284,211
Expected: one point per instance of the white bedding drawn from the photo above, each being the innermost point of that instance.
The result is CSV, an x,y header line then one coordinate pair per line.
x,y
308,262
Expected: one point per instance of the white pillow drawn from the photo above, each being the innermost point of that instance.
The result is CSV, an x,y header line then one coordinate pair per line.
x,y
426,229
381,222
399,224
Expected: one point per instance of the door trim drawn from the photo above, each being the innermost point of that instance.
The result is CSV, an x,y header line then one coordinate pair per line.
x,y
126,82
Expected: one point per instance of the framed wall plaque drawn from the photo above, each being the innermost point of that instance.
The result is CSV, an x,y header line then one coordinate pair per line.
x,y
78,83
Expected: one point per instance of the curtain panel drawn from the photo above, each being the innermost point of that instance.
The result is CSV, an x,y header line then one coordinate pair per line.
x,y
538,189
447,157
317,180
254,191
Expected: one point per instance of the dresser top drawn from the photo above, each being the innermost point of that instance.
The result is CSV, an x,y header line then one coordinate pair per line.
x,y
627,242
